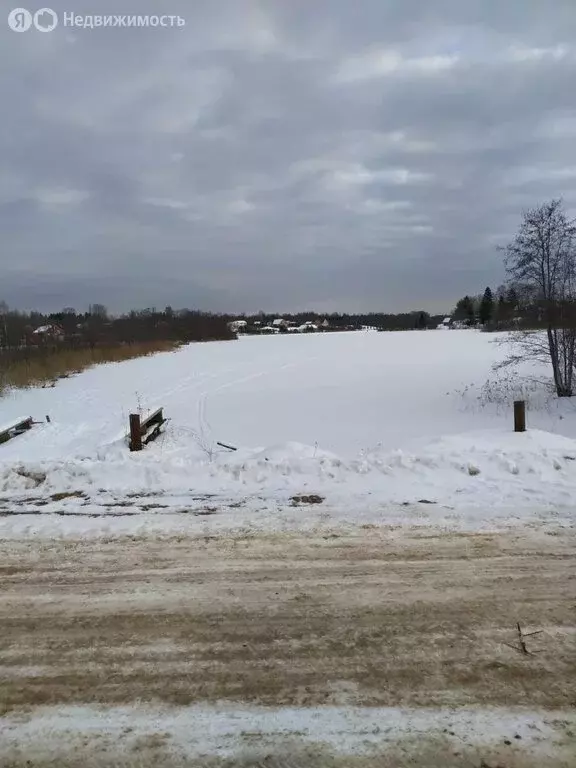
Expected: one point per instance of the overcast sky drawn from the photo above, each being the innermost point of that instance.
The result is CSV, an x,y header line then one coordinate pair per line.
x,y
282,154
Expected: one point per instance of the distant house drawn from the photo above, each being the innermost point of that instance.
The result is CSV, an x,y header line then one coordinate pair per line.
x,y
445,324
48,333
237,326
279,323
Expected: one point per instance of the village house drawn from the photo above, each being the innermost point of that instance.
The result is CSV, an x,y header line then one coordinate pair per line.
x,y
48,333
237,326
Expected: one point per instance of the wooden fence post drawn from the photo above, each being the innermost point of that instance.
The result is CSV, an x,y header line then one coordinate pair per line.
x,y
135,432
519,416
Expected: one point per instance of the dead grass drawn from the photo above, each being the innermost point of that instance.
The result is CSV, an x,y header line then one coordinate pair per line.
x,y
45,369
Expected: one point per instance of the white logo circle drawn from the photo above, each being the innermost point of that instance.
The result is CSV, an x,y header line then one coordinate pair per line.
x,y
45,20
19,20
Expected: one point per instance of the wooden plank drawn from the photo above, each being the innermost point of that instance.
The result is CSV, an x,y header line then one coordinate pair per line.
x,y
144,429
155,417
15,428
16,423
135,432
153,434
153,426
519,416
24,426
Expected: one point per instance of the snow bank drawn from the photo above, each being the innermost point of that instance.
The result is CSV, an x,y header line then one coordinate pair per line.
x,y
478,469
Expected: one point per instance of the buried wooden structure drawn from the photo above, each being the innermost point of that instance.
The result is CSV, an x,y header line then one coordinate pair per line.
x,y
144,430
229,447
15,429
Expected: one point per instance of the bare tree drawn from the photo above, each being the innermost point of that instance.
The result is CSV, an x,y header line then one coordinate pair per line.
x,y
98,310
541,260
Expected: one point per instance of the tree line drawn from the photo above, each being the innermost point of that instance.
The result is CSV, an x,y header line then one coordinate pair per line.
x,y
501,309
97,327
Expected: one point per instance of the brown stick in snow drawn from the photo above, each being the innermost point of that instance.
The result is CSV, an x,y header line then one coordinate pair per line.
x,y
521,640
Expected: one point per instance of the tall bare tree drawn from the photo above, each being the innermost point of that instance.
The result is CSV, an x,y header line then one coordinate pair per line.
x,y
541,259
98,310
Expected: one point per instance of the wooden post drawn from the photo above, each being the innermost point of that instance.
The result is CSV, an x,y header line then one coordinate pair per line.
x,y
135,432
519,416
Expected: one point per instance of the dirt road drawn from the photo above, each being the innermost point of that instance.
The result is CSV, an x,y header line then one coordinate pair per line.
x,y
379,617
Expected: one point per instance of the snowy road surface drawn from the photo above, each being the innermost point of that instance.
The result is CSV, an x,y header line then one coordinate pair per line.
x,y
360,643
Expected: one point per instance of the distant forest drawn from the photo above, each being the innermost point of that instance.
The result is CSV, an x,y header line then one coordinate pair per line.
x,y
509,307
97,327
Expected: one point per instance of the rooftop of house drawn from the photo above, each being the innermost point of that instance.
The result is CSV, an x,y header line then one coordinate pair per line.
x,y
48,329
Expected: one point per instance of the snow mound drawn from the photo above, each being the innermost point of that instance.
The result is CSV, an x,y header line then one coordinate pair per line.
x,y
293,452
481,468
494,452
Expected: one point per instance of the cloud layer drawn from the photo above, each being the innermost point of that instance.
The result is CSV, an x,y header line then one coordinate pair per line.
x,y
281,155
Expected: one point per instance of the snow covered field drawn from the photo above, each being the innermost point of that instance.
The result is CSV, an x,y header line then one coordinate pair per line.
x,y
372,422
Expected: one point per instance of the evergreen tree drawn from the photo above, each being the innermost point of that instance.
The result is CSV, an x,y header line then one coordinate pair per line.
x,y
422,321
465,310
487,307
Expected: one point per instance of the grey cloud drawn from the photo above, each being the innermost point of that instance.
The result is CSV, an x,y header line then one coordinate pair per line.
x,y
228,164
